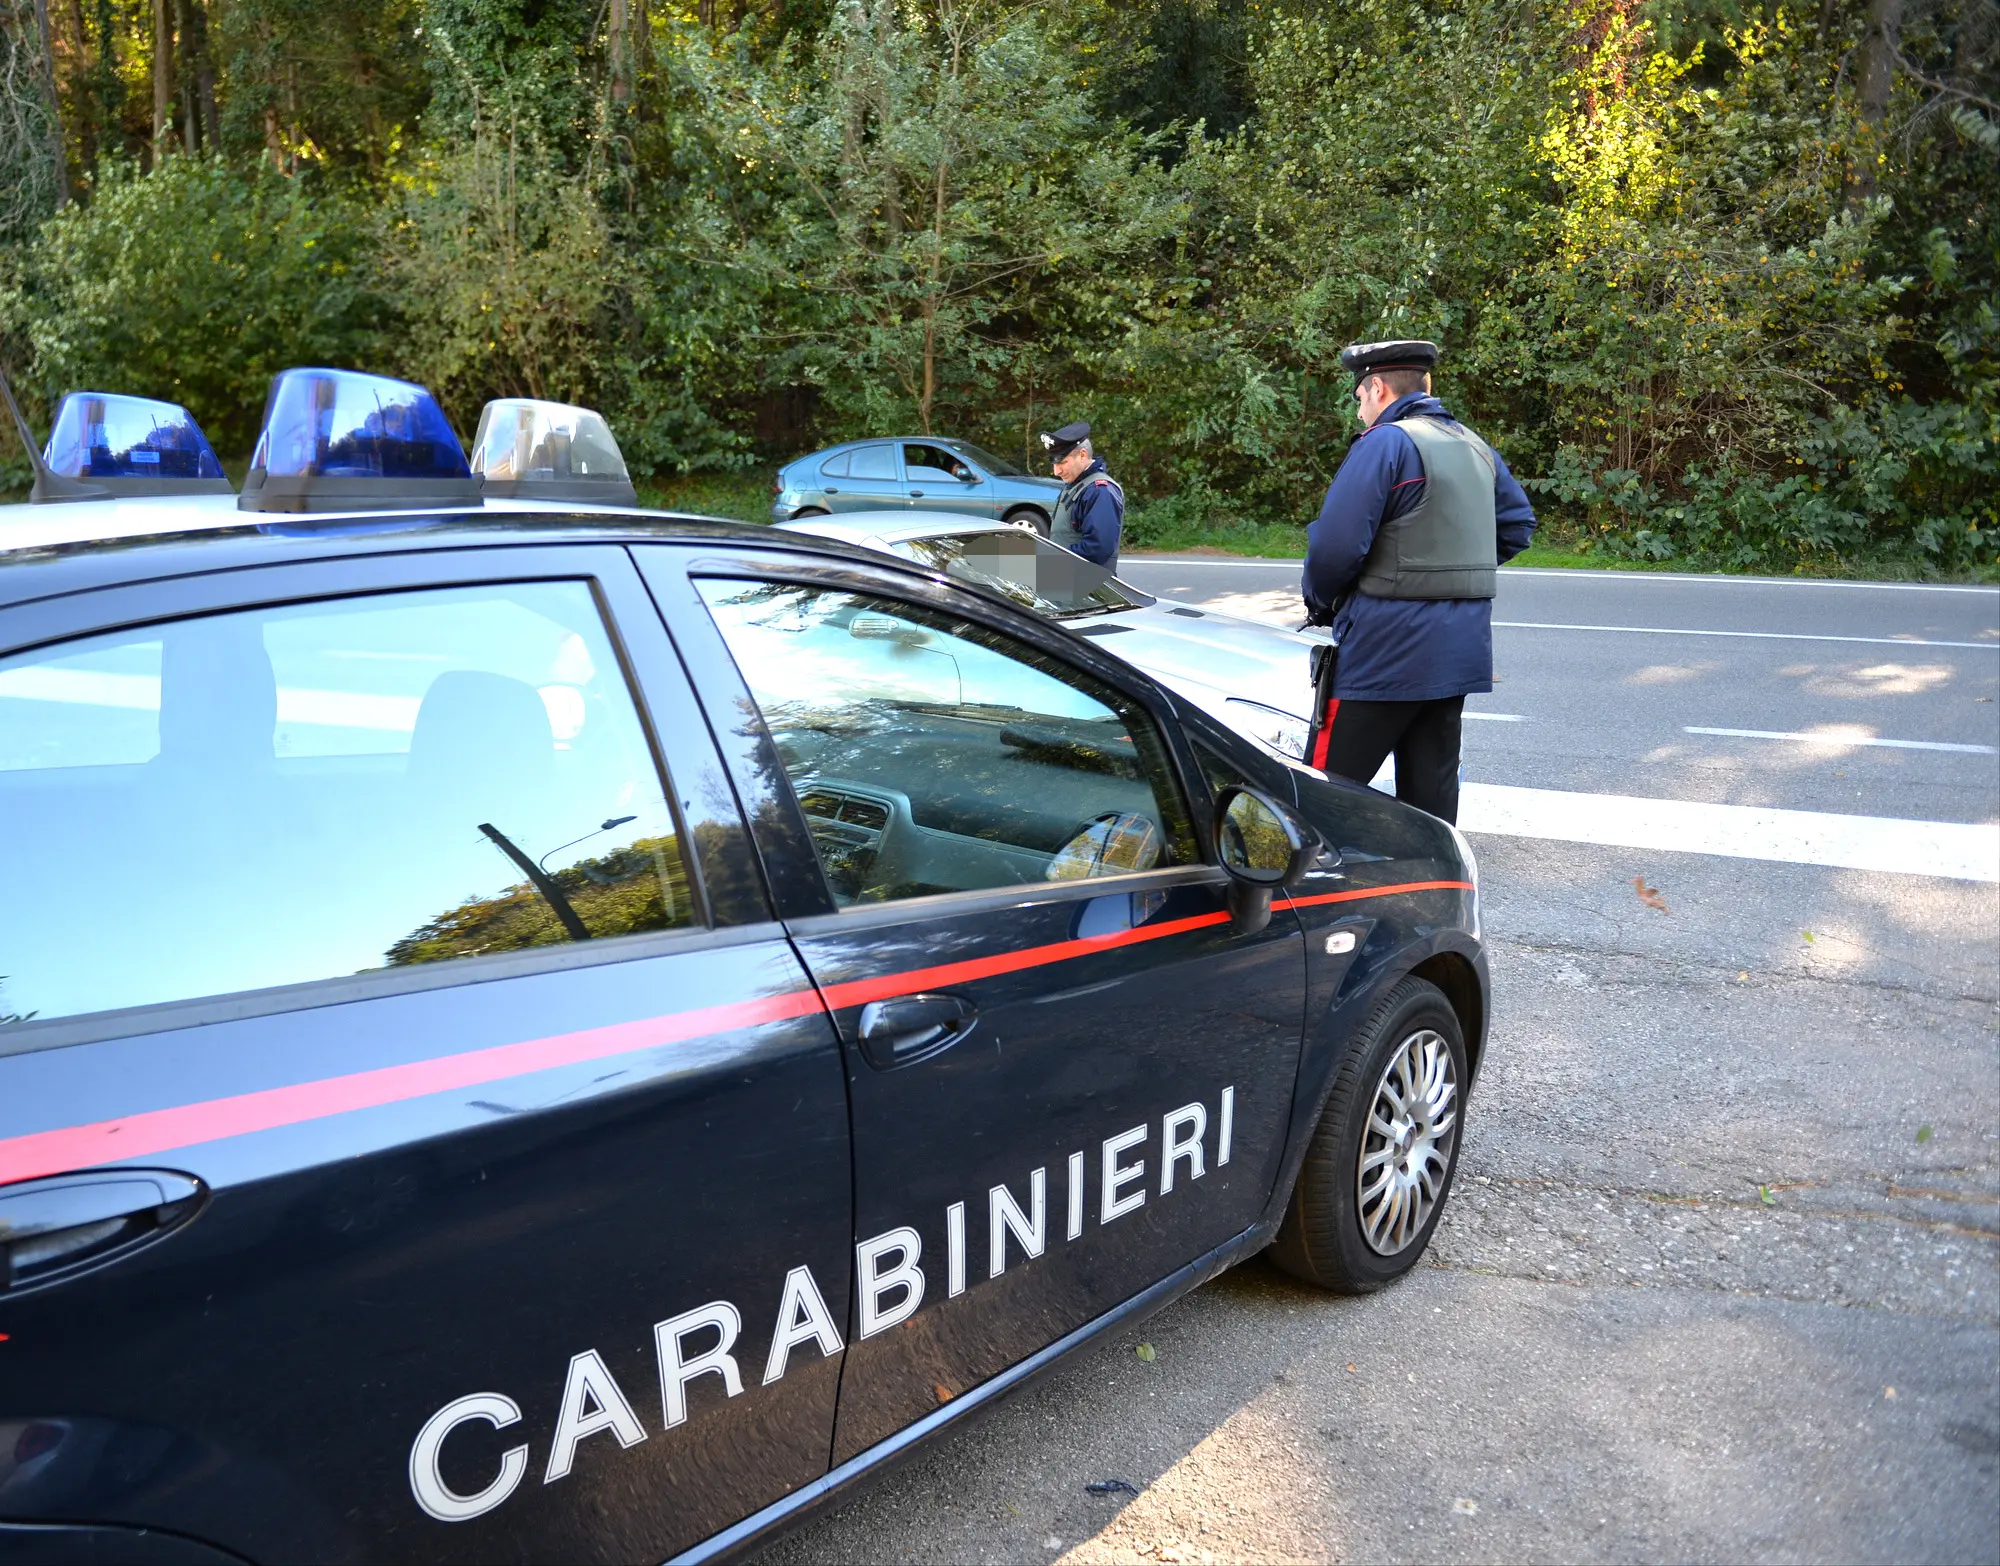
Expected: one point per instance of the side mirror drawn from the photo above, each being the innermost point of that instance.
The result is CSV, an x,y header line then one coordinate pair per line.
x,y
1263,846
967,476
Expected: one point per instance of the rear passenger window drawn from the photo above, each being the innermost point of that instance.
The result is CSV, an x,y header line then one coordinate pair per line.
x,y
266,798
931,754
834,467
874,462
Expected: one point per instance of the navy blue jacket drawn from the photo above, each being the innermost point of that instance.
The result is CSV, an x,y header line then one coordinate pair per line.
x,y
1401,649
1099,514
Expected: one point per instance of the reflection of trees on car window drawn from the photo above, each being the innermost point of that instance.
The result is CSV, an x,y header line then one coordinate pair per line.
x,y
1016,769
642,886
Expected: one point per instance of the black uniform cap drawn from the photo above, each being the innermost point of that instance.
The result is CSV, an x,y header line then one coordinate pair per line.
x,y
1364,359
1060,443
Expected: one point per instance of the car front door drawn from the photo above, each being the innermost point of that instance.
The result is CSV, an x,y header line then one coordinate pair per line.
x,y
938,479
873,481
1070,1072
417,1140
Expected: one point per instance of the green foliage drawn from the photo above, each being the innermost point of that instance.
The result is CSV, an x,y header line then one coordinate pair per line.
x,y
1713,304
197,283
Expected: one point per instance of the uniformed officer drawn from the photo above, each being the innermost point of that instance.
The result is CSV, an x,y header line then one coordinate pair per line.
x,y
1401,563
1090,512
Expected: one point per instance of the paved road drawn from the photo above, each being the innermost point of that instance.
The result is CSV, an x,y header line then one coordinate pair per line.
x,y
1609,710
1721,1279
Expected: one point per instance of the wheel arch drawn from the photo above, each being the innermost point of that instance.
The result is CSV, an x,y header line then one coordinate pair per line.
x,y
1454,973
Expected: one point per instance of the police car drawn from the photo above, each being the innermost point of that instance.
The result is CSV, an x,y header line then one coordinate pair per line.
x,y
535,1030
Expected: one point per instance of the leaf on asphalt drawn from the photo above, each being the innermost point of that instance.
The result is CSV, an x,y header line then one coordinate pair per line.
x,y
943,1392
1353,1369
1465,1506
1112,1487
1924,1133
1147,1353
1764,1195
1889,1392
1743,977
1808,935
1649,895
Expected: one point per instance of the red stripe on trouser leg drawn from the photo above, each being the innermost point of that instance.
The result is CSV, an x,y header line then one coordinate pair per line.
x,y
1325,733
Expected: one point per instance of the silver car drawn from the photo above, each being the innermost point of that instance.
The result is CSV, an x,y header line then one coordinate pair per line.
x,y
1255,678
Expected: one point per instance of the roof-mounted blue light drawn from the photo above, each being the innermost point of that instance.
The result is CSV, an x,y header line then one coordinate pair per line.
x,y
338,440
106,445
533,450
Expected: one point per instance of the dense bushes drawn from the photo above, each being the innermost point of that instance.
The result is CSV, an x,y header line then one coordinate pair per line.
x,y
1721,290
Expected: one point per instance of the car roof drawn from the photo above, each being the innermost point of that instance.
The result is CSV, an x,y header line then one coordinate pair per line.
x,y
47,550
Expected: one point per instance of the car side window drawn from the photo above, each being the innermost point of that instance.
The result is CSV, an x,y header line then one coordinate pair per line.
x,y
931,754
281,795
934,462
835,467
874,462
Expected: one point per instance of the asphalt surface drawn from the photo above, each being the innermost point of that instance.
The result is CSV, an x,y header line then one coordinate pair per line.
x,y
1720,1279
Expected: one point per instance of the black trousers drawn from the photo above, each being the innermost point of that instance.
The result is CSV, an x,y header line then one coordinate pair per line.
x,y
1423,735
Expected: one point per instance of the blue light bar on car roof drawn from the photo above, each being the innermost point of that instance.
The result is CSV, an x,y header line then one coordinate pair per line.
x,y
537,450
121,445
338,440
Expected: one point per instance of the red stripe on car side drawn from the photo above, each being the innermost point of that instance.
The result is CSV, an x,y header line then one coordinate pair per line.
x,y
153,1131
1373,891
159,1130
859,992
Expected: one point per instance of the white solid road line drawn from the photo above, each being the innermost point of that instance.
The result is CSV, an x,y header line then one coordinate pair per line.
x,y
1762,636
1805,837
1836,738
1495,717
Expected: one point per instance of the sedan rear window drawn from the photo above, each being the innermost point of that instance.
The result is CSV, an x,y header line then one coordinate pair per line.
x,y
874,462
249,800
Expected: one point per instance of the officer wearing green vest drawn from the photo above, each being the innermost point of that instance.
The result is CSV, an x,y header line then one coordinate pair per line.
x,y
1401,564
1090,512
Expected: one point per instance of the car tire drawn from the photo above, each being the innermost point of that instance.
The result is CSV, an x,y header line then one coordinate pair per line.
x,y
1353,1228
1028,516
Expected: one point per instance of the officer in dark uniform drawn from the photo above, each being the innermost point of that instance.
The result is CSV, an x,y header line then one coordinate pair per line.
x,y
1401,563
1090,512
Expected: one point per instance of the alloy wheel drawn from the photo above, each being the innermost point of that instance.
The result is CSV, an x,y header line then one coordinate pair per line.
x,y
1406,1149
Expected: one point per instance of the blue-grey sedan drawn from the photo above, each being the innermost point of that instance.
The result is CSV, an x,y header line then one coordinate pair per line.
x,y
915,472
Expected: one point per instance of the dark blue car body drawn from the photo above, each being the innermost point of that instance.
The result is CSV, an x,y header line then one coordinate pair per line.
x,y
411,1221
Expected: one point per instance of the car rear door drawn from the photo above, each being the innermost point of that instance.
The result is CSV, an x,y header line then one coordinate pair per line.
x,y
417,1140
1071,1074
873,482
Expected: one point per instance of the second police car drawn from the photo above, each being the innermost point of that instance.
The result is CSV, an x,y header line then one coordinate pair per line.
x,y
535,1030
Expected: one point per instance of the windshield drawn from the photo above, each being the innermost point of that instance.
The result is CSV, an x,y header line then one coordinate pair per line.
x,y
1033,572
988,461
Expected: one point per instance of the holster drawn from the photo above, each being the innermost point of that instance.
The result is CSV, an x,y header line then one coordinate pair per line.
x,y
1325,659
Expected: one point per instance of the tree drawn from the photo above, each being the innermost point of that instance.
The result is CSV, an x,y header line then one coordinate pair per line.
x,y
940,179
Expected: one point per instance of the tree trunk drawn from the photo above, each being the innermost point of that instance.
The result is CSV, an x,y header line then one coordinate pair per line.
x,y
1878,76
58,142
86,120
618,46
163,80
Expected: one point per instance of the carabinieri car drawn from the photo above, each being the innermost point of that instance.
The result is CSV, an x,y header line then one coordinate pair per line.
x,y
534,1031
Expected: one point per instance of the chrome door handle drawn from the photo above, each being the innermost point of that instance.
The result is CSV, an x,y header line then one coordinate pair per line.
x,y
911,1028
57,1228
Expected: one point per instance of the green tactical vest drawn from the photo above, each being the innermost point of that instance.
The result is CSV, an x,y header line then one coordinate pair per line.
x,y
1445,546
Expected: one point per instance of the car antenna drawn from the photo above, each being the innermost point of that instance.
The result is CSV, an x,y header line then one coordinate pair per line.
x,y
48,486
